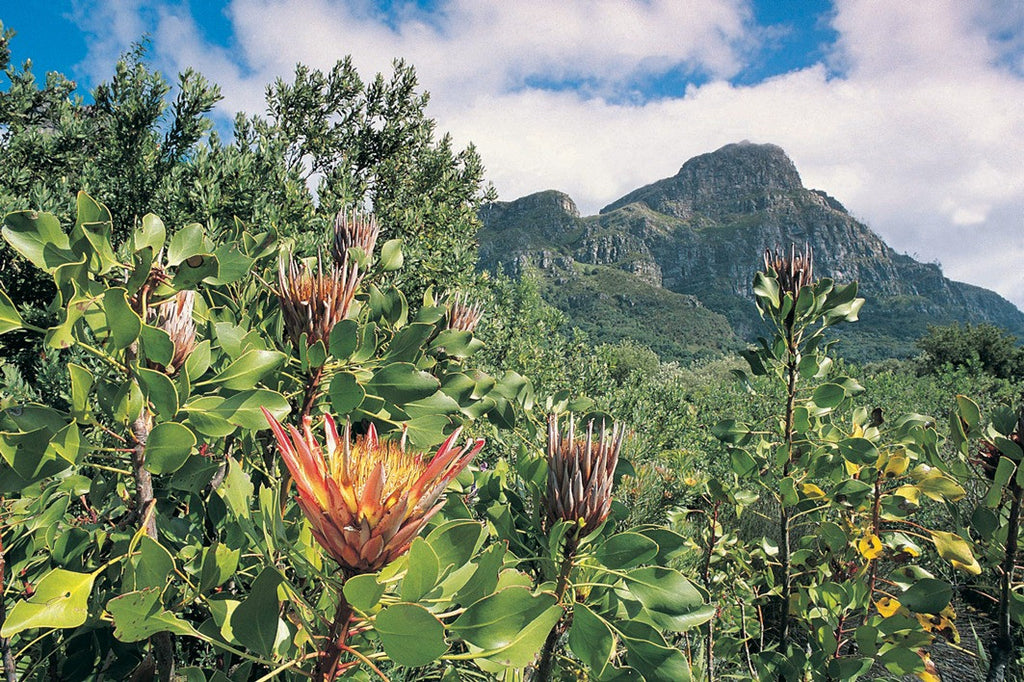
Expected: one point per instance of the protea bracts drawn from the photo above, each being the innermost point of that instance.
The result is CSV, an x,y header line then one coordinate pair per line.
x,y
581,470
366,501
174,316
793,271
353,229
462,315
313,301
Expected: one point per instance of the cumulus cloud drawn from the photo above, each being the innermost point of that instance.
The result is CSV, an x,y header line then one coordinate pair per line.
x,y
912,119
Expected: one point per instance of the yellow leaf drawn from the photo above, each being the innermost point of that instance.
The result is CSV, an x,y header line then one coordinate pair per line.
x,y
870,546
811,490
956,551
851,468
909,492
897,465
887,606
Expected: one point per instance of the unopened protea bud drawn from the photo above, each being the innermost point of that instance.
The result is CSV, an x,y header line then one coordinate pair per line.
x,y
314,301
793,271
174,316
462,315
581,470
353,229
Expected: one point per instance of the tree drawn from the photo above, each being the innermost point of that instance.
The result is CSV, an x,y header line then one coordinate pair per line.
x,y
985,346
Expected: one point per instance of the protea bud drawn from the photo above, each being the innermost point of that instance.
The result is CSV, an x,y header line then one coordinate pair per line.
x,y
462,315
581,470
174,316
366,501
313,302
793,271
353,229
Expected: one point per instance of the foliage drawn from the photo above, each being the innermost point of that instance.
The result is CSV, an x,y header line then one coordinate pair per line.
x,y
982,346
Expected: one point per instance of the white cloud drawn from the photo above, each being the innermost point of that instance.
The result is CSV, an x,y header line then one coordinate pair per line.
x,y
919,134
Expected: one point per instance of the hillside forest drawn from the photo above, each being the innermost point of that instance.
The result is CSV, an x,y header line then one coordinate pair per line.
x,y
268,413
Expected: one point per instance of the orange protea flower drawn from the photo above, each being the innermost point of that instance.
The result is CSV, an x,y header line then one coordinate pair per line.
x,y
580,474
366,501
462,315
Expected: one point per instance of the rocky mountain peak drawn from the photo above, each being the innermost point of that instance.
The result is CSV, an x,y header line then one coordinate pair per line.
x,y
737,177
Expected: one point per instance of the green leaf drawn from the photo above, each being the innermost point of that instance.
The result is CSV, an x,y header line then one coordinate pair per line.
x,y
157,345
509,626
927,595
401,382
218,565
346,393
140,615
731,431
38,237
363,591
407,344
10,319
237,489
151,567
968,411
160,391
249,369
455,542
152,234
422,573
255,621
485,578
198,360
427,431
591,639
81,385
858,451
168,446
767,288
241,410
672,601
185,243
650,654
344,339
391,257
61,600
828,396
626,550
411,635
124,323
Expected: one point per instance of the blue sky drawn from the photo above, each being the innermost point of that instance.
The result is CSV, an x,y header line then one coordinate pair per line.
x,y
909,113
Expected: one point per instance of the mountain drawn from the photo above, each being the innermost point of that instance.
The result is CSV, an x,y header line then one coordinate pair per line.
x,y
671,264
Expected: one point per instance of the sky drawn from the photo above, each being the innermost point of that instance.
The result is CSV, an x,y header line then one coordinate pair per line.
x,y
910,113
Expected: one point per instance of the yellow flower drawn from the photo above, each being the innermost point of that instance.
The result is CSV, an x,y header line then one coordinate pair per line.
x,y
366,501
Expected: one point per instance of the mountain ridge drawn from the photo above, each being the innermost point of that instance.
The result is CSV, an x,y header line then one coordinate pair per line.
x,y
700,235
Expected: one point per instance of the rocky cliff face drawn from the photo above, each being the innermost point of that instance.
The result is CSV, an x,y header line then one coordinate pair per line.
x,y
702,232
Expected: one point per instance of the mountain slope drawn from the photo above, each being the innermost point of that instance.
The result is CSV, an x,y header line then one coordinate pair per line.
x,y
668,259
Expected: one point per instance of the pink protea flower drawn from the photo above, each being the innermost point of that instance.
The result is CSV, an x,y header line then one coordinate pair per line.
x,y
367,500
794,271
463,315
174,316
581,470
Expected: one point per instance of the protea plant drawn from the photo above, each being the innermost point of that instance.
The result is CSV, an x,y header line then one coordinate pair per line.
x,y
794,271
353,229
367,500
581,470
174,316
462,315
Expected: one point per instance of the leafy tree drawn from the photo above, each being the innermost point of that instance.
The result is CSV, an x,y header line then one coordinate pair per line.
x,y
985,346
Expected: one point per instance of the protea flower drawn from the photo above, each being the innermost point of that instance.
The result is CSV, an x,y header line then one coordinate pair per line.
x,y
462,315
794,271
581,469
353,229
314,301
174,316
368,500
